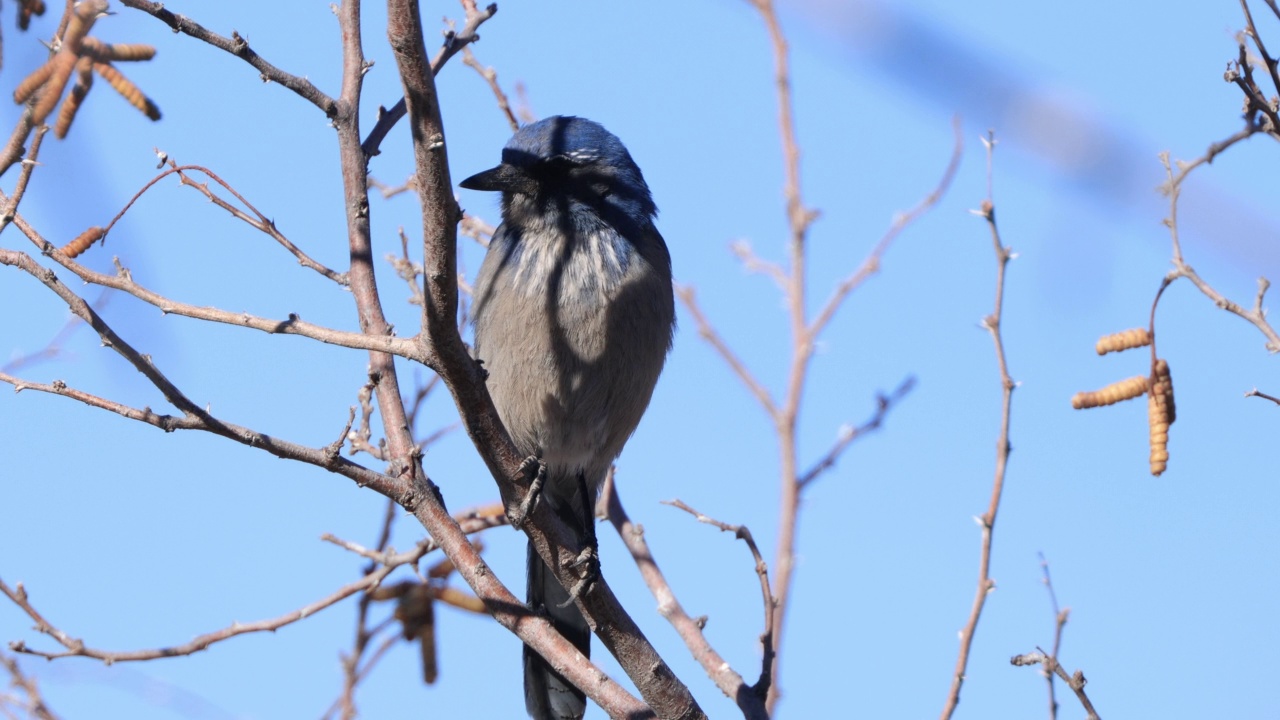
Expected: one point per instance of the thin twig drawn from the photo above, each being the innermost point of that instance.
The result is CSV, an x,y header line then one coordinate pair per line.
x,y
709,333
34,702
761,688
1255,393
77,648
1257,315
239,47
848,433
453,43
1060,616
988,519
1075,681
690,629
871,265
491,77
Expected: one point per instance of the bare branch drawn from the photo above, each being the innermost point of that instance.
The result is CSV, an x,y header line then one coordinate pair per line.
x,y
871,265
1076,681
761,688
1255,393
708,333
77,648
884,403
1060,616
988,519
453,43
34,702
491,77
690,629
1256,316
239,47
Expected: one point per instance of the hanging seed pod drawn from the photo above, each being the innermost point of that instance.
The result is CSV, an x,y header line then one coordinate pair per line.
x,y
126,88
1165,381
123,52
1110,395
1126,340
1158,422
71,105
83,241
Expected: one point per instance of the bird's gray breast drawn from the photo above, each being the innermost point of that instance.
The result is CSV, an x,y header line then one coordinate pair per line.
x,y
573,331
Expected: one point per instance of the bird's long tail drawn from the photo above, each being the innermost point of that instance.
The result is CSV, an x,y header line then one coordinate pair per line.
x,y
547,695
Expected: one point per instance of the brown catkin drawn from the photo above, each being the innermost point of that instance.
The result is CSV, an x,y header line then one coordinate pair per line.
x,y
62,65
1158,422
32,82
127,89
1110,395
26,9
83,241
1165,381
71,105
1126,340
124,52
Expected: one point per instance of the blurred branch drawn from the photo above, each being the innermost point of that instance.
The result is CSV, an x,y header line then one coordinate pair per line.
x,y
1060,616
871,265
709,333
491,77
1075,681
988,520
54,347
33,703
884,403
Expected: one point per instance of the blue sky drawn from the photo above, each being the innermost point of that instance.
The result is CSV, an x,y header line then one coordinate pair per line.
x,y
130,538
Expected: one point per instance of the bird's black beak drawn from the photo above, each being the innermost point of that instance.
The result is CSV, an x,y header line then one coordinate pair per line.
x,y
504,178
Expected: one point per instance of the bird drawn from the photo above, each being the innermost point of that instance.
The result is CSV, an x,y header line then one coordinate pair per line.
x,y
574,315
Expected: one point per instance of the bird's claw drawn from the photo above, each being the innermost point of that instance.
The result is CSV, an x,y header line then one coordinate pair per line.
x,y
531,466
591,560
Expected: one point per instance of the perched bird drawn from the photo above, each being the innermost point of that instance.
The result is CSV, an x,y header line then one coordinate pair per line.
x,y
574,316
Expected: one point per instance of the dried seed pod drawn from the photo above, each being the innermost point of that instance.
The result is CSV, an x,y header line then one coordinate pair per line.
x,y
85,15
84,81
1158,422
83,241
127,89
124,52
1126,340
26,9
1110,395
62,65
32,82
1165,381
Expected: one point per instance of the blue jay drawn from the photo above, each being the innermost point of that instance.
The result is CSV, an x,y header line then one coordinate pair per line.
x,y
574,316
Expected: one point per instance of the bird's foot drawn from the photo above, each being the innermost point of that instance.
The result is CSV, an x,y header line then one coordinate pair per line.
x,y
588,559
536,471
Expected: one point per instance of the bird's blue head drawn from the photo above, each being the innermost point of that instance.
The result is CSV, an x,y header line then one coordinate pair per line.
x,y
571,160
